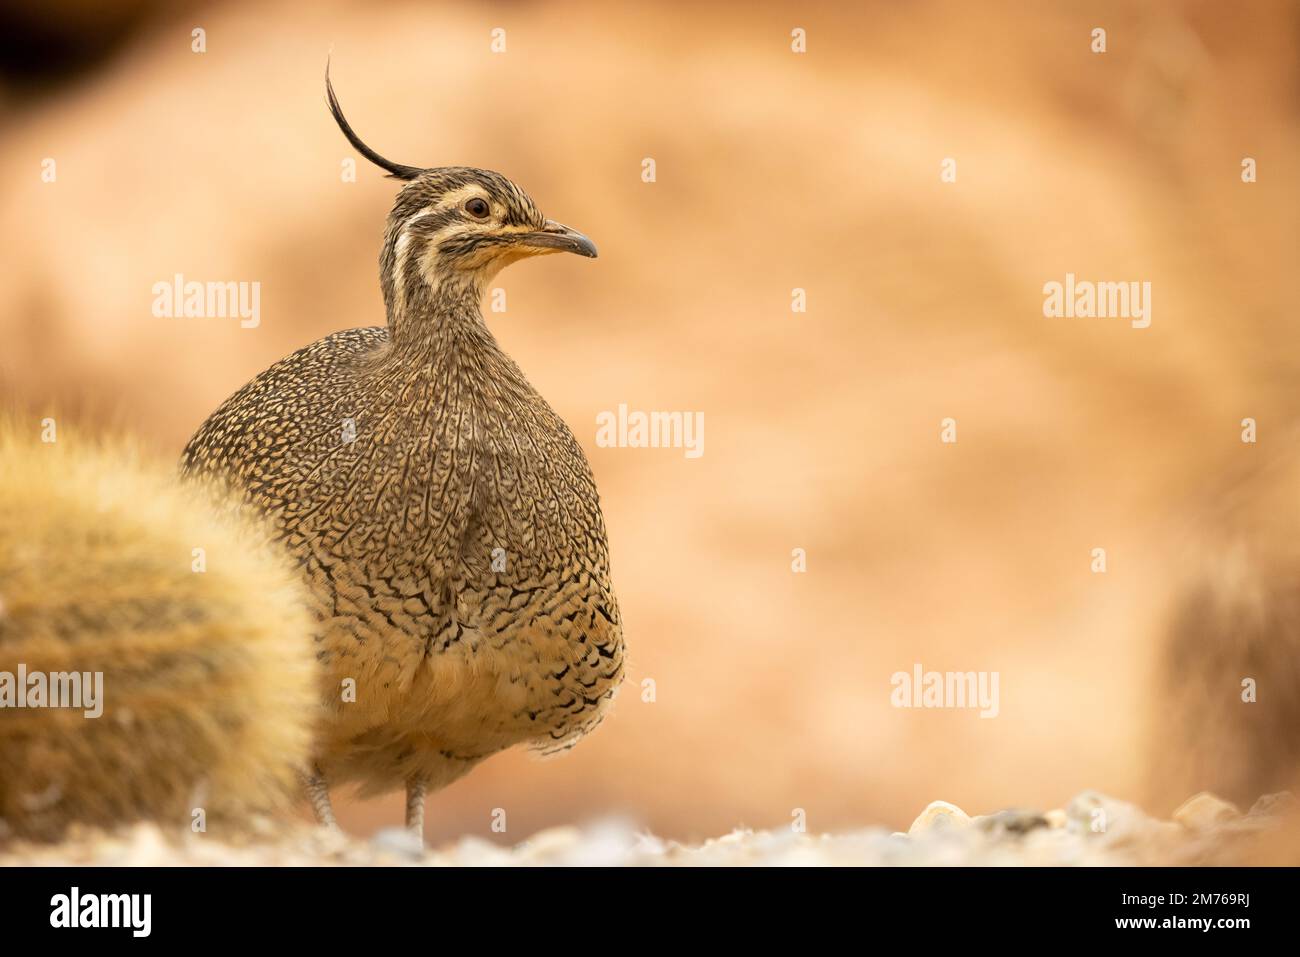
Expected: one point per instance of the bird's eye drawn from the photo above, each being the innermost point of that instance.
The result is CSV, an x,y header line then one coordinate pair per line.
x,y
478,208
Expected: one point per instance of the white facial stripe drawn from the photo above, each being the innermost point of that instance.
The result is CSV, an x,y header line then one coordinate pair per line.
x,y
401,247
399,265
414,217
451,200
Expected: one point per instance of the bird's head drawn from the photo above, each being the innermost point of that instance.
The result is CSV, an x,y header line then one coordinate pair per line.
x,y
453,228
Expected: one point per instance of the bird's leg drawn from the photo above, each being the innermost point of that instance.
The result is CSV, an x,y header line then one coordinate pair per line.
x,y
318,793
416,785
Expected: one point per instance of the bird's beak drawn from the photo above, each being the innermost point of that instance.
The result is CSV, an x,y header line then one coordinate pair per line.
x,y
556,237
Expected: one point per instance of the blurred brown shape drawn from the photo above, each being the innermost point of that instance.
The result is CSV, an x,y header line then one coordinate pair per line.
x,y
1227,718
136,688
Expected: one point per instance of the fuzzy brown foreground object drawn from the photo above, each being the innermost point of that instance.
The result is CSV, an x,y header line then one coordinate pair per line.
x,y
1229,662
209,685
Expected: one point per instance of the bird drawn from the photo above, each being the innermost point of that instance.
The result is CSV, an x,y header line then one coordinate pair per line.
x,y
442,514
174,636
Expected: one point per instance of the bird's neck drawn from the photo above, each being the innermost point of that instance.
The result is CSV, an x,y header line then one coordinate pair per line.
x,y
423,322
440,345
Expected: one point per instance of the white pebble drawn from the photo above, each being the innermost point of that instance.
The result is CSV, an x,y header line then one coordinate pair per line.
x,y
939,814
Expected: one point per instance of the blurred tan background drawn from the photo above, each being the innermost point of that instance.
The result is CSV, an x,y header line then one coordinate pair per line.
x,y
774,170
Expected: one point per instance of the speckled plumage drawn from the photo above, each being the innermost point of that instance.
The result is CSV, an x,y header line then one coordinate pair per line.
x,y
444,516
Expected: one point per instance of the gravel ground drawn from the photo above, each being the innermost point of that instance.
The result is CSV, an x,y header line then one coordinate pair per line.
x,y
1091,830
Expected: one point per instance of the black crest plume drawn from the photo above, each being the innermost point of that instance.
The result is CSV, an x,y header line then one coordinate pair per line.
x,y
395,170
